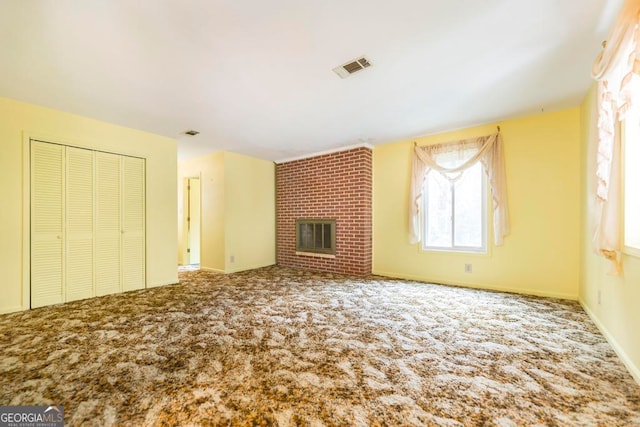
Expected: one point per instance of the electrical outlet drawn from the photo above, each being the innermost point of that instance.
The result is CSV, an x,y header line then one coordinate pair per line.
x,y
468,268
232,259
599,296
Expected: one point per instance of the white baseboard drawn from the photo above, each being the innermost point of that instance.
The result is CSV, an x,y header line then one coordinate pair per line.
x,y
212,270
477,286
245,268
633,369
234,270
13,309
157,285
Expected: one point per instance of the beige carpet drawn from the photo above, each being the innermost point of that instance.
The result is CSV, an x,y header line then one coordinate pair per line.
x,y
281,347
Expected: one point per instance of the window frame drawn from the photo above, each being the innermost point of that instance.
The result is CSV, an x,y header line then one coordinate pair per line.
x,y
626,248
484,248
314,250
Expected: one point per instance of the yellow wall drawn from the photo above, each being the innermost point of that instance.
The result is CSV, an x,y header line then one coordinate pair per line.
x,y
238,210
250,219
618,313
18,119
540,256
210,169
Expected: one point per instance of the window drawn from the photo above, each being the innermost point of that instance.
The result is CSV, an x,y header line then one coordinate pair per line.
x,y
455,211
631,178
316,235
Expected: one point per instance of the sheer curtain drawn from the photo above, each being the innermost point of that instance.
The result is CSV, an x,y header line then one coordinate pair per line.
x,y
616,70
451,160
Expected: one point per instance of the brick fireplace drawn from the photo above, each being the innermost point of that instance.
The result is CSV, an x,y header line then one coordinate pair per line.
x,y
335,186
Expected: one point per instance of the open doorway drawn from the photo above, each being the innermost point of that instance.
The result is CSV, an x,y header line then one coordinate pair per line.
x,y
191,255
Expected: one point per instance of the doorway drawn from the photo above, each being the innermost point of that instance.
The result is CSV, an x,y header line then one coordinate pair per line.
x,y
192,221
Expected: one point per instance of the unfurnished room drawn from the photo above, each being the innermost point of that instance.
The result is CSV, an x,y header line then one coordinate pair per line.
x,y
292,213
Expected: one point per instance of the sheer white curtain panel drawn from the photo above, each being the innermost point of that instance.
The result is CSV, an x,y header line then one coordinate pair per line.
x,y
451,160
617,70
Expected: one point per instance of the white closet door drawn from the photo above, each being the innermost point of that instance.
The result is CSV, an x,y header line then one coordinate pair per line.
x,y
79,259
133,223
47,216
108,225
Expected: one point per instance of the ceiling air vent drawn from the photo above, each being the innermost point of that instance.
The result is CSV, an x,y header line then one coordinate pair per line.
x,y
352,67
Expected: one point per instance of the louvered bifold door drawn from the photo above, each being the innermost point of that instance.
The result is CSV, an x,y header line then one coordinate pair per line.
x,y
108,224
47,224
133,223
79,259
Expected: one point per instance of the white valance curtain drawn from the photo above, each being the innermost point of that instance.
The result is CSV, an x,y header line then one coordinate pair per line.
x,y
616,70
486,149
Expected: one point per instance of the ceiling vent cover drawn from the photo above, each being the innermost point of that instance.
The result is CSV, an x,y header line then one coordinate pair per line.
x,y
352,67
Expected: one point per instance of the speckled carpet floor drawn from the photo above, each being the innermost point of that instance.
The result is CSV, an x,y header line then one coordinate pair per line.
x,y
282,347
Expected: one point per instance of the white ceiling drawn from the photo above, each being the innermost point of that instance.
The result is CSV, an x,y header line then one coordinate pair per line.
x,y
255,77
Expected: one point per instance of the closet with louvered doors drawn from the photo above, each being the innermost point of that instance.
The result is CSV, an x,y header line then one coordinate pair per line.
x,y
87,223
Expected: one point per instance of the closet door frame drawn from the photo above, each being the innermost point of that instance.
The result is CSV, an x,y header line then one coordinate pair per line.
x,y
27,137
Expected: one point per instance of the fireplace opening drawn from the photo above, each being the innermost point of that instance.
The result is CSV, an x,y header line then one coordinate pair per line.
x,y
316,236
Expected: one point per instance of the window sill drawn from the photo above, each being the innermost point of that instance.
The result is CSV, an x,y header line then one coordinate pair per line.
x,y
315,255
634,252
483,253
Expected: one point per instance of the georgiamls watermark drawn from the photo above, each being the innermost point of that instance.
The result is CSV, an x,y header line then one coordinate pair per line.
x,y
32,416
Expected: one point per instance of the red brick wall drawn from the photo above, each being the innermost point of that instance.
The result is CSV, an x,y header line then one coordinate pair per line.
x,y
331,186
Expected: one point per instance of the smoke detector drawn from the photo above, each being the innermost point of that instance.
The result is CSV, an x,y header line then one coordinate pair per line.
x,y
352,67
